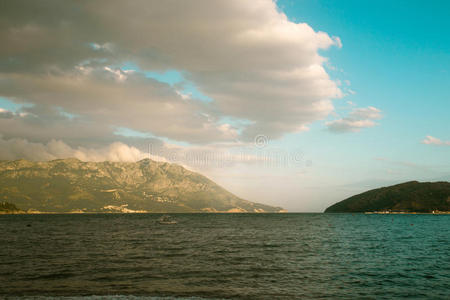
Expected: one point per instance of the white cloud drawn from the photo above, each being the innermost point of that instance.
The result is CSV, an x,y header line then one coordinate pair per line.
x,y
119,74
254,63
430,140
356,120
184,96
11,149
195,158
337,41
131,100
105,47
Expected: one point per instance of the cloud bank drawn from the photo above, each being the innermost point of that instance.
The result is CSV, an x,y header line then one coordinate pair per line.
x,y
22,149
260,70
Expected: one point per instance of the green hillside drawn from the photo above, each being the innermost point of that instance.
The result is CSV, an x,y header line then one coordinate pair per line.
x,y
70,185
410,196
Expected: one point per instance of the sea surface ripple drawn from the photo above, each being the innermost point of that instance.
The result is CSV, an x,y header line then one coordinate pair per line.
x,y
225,256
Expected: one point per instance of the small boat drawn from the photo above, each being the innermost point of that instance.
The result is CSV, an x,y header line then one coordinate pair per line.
x,y
166,220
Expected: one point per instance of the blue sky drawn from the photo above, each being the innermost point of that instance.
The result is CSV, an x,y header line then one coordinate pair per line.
x,y
396,54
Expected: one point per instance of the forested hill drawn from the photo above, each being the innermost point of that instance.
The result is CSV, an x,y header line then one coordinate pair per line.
x,y
410,196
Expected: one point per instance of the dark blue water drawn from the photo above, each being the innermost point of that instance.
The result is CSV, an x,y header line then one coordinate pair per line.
x,y
215,256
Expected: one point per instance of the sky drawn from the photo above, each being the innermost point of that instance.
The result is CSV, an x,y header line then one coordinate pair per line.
x,y
298,104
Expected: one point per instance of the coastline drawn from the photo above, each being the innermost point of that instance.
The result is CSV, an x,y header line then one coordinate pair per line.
x,y
215,212
406,213
137,212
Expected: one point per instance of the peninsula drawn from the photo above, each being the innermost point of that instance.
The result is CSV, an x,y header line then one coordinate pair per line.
x,y
408,197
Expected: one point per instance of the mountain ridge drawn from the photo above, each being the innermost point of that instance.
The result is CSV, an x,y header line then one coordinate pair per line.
x,y
71,185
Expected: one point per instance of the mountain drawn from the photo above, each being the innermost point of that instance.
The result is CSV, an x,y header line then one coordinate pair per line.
x,y
410,196
6,207
70,185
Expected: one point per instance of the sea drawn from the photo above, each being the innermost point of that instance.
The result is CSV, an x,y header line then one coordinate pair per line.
x,y
225,256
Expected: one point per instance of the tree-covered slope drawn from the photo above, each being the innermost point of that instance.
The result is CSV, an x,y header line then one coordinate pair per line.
x,y
67,185
410,196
